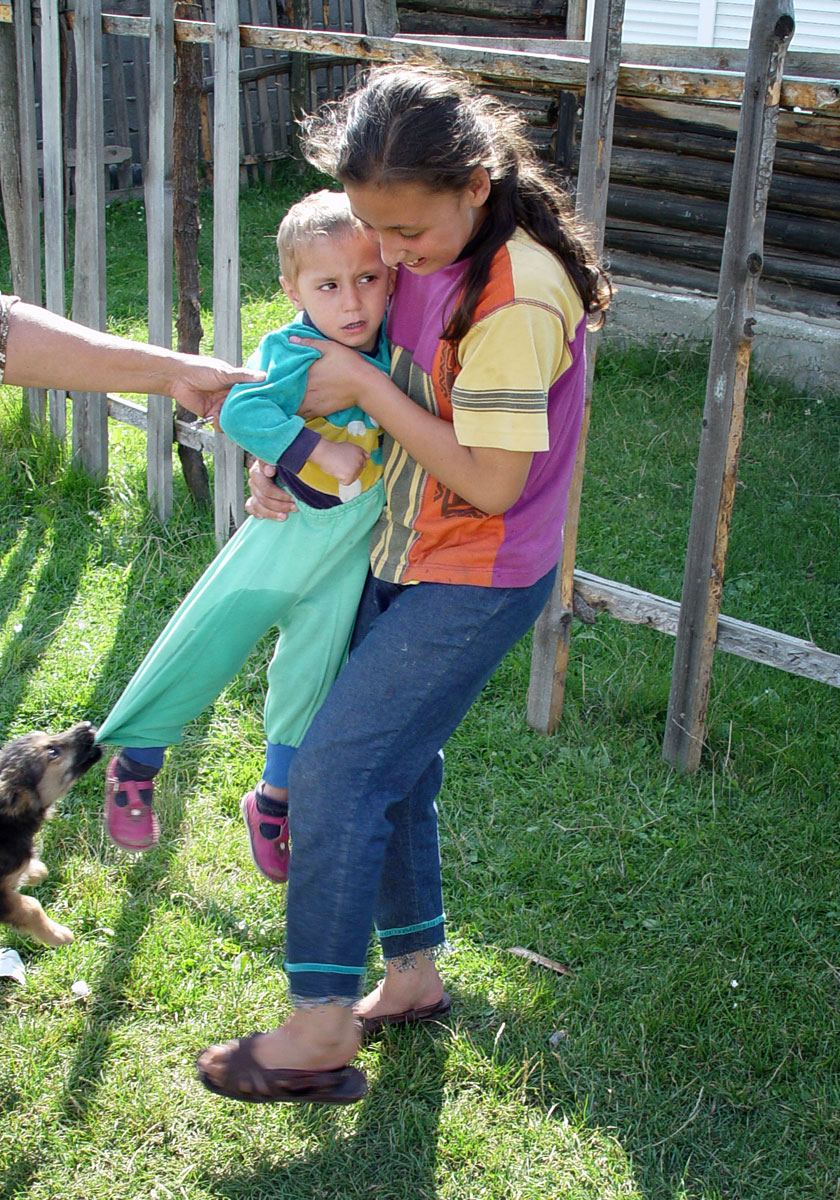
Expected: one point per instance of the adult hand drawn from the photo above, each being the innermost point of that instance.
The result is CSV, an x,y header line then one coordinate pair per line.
x,y
201,384
266,498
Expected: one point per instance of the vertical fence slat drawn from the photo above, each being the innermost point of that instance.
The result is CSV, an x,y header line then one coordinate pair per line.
x,y
119,109
576,20
298,12
552,633
381,18
28,151
266,139
248,173
720,440
278,86
52,139
141,99
90,412
158,193
227,326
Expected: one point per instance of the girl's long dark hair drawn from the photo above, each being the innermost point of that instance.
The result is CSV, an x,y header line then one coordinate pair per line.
x,y
421,125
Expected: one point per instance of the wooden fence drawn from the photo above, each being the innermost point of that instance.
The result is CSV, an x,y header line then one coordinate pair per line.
x,y
264,102
671,166
599,74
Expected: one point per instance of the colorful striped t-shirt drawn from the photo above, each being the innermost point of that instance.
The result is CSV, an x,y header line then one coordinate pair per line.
x,y
514,382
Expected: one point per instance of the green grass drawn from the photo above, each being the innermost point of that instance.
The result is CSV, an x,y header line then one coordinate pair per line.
x,y
692,1053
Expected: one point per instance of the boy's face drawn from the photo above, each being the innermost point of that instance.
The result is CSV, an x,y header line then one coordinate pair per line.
x,y
344,286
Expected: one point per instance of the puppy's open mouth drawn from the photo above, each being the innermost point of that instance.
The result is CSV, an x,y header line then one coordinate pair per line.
x,y
86,758
87,752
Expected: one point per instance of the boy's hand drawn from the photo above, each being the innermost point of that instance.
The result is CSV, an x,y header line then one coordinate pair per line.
x,y
344,461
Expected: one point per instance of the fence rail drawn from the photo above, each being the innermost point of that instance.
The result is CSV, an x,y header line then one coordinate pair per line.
x,y
489,65
543,69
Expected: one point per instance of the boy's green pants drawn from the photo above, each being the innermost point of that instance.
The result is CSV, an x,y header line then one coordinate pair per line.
x,y
304,575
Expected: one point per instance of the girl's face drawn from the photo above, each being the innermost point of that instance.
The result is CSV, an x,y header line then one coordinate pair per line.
x,y
420,229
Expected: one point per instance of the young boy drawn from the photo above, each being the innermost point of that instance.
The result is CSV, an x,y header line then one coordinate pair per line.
x,y
304,575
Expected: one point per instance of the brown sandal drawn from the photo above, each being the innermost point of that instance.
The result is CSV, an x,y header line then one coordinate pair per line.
x,y
268,1085
412,1016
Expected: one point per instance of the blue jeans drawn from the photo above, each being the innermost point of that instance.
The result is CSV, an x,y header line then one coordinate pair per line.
x,y
363,784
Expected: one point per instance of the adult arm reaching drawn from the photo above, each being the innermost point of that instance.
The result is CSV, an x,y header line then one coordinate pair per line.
x,y
48,351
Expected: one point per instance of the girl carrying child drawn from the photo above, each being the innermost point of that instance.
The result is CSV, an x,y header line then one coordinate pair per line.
x,y
481,414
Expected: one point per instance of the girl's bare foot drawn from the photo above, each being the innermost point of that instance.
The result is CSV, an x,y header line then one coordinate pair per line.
x,y
313,1039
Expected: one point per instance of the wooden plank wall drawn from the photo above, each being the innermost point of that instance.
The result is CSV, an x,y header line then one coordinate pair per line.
x,y
672,169
265,116
493,18
672,173
672,162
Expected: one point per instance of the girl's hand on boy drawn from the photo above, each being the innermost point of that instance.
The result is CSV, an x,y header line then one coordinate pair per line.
x,y
336,380
343,460
267,499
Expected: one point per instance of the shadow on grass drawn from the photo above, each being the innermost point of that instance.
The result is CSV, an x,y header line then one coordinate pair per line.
x,y
107,1011
142,892
390,1152
18,1175
12,521
54,586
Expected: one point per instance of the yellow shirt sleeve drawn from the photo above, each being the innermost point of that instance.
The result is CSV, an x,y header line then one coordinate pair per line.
x,y
511,357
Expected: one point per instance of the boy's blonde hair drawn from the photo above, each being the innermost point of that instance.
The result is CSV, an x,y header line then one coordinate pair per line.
x,y
320,214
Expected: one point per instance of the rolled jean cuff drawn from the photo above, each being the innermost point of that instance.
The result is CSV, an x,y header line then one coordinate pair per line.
x,y
310,1002
396,943
323,983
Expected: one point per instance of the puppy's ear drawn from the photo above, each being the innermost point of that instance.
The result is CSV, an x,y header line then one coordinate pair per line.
x,y
32,768
21,770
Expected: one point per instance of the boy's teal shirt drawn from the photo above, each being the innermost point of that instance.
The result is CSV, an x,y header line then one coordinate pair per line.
x,y
263,417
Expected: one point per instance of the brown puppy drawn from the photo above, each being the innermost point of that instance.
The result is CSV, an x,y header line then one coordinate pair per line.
x,y
35,772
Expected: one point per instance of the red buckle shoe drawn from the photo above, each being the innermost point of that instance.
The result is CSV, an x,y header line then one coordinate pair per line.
x,y
268,838
129,820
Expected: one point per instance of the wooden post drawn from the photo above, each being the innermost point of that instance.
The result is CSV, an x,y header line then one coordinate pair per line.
x,y
720,439
52,137
298,74
90,409
552,633
29,264
186,226
158,193
575,20
381,18
227,327
9,160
